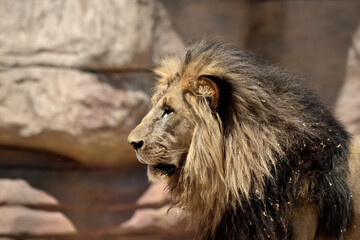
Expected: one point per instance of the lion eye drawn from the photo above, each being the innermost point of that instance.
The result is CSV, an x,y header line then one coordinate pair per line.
x,y
167,110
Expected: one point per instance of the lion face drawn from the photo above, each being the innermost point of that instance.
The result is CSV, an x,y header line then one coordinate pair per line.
x,y
162,139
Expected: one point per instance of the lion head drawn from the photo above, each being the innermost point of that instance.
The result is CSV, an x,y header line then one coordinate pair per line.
x,y
219,126
163,137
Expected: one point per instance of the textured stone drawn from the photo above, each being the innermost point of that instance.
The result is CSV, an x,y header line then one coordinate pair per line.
x,y
17,219
120,34
20,220
19,192
348,104
226,21
162,218
47,104
92,199
70,112
310,37
155,194
165,217
316,38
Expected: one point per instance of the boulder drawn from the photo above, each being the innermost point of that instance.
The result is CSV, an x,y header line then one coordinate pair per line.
x,y
86,34
17,219
74,74
73,113
19,192
348,103
166,217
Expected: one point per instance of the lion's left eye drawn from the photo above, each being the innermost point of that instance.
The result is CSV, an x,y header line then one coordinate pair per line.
x,y
167,110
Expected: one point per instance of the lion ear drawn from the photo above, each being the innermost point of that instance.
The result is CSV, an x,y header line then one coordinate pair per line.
x,y
207,87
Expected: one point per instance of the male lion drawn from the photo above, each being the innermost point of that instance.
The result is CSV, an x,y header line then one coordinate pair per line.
x,y
246,149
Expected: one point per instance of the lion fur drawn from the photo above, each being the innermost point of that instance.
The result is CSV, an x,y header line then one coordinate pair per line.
x,y
267,148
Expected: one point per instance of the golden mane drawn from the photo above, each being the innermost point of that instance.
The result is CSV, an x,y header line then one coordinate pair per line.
x,y
264,121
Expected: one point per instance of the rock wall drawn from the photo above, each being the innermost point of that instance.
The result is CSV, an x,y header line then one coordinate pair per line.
x,y
348,104
75,79
54,90
309,37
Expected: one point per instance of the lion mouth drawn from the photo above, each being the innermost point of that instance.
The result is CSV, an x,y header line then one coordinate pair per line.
x,y
162,170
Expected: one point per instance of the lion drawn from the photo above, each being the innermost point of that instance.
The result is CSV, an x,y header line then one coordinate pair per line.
x,y
246,149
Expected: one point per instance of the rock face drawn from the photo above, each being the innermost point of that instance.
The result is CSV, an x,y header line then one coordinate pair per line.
x,y
50,96
310,37
19,192
348,104
74,81
70,112
119,34
163,218
18,219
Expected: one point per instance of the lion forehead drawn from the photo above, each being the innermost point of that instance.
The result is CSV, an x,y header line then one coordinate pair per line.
x,y
167,72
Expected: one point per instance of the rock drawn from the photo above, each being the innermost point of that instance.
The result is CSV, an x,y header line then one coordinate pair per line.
x,y
348,103
19,192
90,34
166,41
161,218
93,199
308,37
70,112
21,220
165,217
47,104
150,217
226,21
17,219
155,194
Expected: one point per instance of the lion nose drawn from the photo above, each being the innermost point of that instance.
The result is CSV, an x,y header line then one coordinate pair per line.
x,y
137,145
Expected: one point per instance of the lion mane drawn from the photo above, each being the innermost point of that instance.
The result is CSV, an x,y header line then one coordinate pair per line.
x,y
265,147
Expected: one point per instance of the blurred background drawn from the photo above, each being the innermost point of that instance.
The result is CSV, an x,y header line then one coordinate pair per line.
x,y
75,78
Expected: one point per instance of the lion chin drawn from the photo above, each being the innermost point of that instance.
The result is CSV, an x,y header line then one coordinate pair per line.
x,y
247,151
161,170
157,170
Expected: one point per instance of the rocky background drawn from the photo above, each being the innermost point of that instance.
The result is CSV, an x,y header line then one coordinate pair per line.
x,y
75,79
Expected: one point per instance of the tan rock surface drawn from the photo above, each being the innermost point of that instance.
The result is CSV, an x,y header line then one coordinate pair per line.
x,y
161,218
18,219
348,104
87,34
19,192
48,98
69,112
165,217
